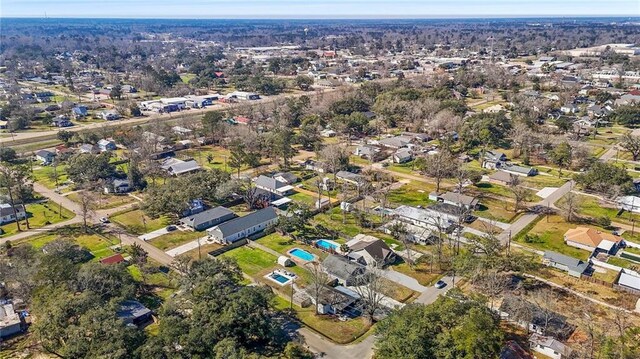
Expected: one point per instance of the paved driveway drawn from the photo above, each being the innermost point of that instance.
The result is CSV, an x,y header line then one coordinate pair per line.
x,y
430,294
403,279
154,234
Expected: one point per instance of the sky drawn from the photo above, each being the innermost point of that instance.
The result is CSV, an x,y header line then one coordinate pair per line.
x,y
315,8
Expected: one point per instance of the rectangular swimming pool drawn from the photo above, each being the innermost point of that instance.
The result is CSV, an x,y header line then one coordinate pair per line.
x,y
326,245
302,254
279,278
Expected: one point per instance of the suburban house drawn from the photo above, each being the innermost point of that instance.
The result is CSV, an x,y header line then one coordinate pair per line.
x,y
349,177
421,217
369,250
345,271
395,142
569,108
502,178
195,206
209,218
455,199
7,215
87,148
133,312
111,115
79,112
629,203
590,239
243,227
117,185
334,300
575,267
44,156
286,177
519,170
366,151
177,167
61,121
549,346
11,323
114,259
273,185
493,160
630,280
402,155
538,320
106,145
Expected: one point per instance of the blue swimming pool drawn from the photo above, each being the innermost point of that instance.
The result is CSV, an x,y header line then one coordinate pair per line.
x,y
279,278
326,245
302,254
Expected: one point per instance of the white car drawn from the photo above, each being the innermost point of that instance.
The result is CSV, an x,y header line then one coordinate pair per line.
x,y
440,284
104,220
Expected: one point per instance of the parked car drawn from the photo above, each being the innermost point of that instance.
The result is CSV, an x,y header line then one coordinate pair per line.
x,y
104,220
440,284
171,228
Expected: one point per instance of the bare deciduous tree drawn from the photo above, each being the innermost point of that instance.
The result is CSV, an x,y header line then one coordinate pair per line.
x,y
370,287
319,280
87,206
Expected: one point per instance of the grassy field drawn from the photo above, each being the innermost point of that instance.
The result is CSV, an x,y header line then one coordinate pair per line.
x,y
40,215
251,261
304,198
219,158
134,222
550,236
423,272
104,201
411,194
329,326
277,242
99,246
176,238
45,175
495,209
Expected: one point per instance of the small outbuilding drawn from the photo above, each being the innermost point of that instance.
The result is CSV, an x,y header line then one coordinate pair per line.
x,y
285,261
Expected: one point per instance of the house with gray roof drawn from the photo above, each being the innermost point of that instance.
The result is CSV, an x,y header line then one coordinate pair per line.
x,y
177,167
493,160
117,185
11,323
272,185
133,312
243,227
349,177
395,142
575,267
209,218
519,170
456,199
366,151
7,214
45,157
345,271
402,155
549,346
369,250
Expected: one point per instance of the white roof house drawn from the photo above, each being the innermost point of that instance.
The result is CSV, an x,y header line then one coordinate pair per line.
x,y
629,203
629,279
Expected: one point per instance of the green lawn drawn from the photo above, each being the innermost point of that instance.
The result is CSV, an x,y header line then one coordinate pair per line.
x,y
304,198
621,262
277,242
187,77
550,236
98,245
219,158
410,194
329,326
45,175
40,215
252,261
134,222
541,181
176,238
495,209
406,168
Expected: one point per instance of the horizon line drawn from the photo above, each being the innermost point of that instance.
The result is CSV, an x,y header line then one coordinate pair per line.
x,y
332,17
